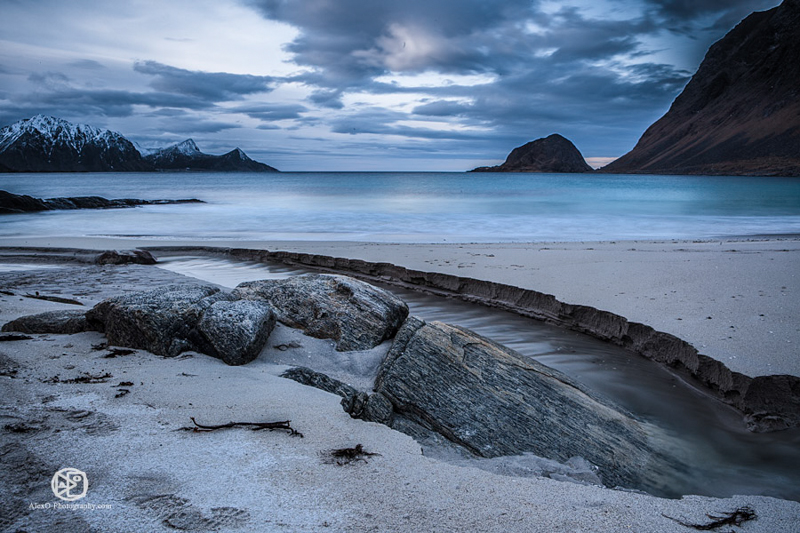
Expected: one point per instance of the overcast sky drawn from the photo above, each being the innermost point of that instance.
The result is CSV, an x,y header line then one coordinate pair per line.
x,y
359,84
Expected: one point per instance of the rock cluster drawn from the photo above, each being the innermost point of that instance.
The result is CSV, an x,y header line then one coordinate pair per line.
x,y
487,399
231,326
11,203
358,316
436,378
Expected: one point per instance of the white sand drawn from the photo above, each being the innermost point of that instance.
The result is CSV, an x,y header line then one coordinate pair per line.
x,y
238,480
749,288
157,479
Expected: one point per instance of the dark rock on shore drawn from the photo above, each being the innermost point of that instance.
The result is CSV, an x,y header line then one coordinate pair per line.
x,y
179,318
168,321
64,322
160,321
19,203
550,154
355,314
486,398
740,113
125,257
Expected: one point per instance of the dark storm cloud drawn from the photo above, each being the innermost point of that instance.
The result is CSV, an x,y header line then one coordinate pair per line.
x,y
271,112
210,86
571,69
442,108
108,102
545,68
175,89
686,16
49,80
191,125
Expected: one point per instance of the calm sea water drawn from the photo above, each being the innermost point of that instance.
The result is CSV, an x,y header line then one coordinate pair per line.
x,y
416,207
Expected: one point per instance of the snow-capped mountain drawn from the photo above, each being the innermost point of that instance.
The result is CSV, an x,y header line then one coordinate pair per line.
x,y
187,156
49,144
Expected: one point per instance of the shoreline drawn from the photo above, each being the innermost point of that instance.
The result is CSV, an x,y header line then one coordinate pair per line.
x,y
668,312
750,288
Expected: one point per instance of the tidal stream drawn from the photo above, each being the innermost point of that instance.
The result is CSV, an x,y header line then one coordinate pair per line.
x,y
725,458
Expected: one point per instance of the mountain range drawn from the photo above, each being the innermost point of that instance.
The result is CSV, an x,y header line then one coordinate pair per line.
x,y
50,144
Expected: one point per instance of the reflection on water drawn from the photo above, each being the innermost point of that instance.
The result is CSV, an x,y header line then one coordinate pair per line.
x,y
726,458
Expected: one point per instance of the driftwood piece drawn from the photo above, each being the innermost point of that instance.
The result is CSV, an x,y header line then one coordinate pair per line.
x,y
255,426
84,378
736,517
57,299
345,456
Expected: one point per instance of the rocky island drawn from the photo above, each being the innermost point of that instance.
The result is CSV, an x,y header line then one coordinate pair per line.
x,y
550,154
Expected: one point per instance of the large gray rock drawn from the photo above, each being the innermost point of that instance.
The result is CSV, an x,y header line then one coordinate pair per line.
x,y
486,398
355,314
67,321
178,318
160,321
235,332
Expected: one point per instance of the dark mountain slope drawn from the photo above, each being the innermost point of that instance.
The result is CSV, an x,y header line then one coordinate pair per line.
x,y
740,113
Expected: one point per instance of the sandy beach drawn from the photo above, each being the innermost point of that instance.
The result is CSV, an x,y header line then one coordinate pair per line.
x,y
158,478
736,300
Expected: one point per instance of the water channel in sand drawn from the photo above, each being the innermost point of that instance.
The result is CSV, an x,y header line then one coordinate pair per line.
x,y
726,459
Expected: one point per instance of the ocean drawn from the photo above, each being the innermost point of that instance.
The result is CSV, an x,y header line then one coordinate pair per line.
x,y
414,206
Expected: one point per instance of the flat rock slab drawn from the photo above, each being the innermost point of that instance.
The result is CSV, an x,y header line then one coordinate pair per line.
x,y
488,399
357,315
64,322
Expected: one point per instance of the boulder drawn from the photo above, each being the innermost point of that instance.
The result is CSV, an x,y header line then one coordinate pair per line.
x,y
357,315
488,399
65,322
237,331
179,318
160,321
125,257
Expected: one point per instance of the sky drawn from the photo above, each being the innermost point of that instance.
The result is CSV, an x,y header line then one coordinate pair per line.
x,y
359,85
